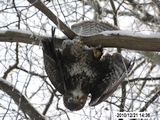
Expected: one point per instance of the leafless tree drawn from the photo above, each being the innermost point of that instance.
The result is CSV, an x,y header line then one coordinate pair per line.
x,y
25,90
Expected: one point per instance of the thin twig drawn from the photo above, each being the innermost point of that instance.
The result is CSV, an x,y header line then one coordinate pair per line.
x,y
143,79
48,104
150,101
66,30
11,68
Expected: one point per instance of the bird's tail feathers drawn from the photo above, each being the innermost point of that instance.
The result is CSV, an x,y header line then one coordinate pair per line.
x,y
48,46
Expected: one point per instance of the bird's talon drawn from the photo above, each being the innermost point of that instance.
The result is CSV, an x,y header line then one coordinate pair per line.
x,y
79,43
97,53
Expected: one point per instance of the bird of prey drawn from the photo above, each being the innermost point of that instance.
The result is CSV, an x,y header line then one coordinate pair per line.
x,y
77,71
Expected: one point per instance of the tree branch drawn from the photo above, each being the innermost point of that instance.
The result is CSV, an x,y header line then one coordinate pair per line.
x,y
123,97
14,65
147,16
110,40
48,104
150,102
25,37
123,41
142,79
39,5
30,72
20,100
155,57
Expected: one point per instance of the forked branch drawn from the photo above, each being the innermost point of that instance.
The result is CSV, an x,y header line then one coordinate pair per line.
x,y
20,100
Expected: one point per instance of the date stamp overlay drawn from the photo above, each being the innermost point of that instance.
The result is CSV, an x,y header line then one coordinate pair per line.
x,y
132,115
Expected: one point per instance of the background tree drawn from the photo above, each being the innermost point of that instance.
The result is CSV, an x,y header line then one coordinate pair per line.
x,y
26,91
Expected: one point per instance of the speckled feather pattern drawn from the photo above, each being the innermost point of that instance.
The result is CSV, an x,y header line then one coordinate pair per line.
x,y
83,73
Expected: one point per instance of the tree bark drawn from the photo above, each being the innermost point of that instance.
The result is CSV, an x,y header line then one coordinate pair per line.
x,y
20,100
66,30
112,40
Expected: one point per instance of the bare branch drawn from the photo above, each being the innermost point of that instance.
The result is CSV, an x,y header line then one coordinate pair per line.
x,y
20,100
29,38
29,72
48,104
143,79
123,41
39,5
147,16
112,40
14,65
123,97
150,101
155,57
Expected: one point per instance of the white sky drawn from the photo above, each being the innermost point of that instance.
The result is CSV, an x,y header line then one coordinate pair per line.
x,y
37,26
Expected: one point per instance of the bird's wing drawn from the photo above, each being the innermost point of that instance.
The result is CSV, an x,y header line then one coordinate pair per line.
x,y
52,64
90,28
115,69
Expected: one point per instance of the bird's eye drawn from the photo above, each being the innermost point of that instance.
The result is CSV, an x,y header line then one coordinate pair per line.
x,y
70,99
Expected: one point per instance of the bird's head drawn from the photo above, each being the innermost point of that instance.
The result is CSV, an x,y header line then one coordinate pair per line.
x,y
74,101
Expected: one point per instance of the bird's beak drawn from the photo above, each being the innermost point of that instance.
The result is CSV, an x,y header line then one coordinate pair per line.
x,y
80,99
76,100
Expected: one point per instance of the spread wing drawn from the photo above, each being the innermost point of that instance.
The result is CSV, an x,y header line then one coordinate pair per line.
x,y
114,69
52,62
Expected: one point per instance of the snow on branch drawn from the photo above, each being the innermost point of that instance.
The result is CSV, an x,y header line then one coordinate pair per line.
x,y
111,40
24,37
121,39
20,100
125,39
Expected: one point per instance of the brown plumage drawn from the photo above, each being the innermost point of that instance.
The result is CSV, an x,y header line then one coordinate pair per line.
x,y
77,71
